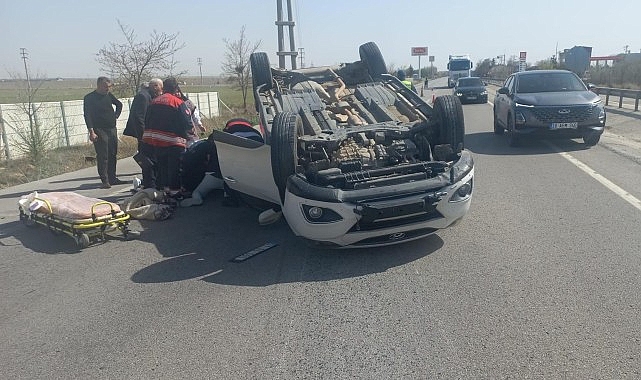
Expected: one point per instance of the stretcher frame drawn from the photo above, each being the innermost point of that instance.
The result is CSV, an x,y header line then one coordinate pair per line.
x,y
83,231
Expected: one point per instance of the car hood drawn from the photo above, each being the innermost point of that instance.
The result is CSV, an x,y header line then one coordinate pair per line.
x,y
557,98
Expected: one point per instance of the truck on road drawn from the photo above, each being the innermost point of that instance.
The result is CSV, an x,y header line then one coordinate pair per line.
x,y
458,66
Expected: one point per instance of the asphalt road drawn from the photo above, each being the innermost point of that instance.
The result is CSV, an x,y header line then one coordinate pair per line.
x,y
540,280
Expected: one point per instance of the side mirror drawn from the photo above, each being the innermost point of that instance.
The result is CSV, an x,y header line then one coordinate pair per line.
x,y
503,91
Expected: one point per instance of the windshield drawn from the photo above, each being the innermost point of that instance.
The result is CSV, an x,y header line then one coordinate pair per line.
x,y
549,82
469,82
457,65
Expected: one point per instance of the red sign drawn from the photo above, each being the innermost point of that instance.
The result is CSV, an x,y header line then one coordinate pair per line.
x,y
422,50
522,55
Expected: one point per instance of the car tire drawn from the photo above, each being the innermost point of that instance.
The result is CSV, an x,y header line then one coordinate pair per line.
x,y
513,138
448,113
261,71
371,55
286,129
498,130
591,139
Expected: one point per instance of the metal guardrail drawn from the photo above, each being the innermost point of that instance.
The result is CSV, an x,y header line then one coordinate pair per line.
x,y
621,93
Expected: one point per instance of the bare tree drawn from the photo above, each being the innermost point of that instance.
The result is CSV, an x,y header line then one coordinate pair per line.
x,y
236,62
134,61
31,138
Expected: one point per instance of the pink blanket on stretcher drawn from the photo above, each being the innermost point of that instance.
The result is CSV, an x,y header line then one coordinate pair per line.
x,y
68,205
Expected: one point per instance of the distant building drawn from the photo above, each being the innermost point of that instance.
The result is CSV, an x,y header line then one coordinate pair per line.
x,y
576,59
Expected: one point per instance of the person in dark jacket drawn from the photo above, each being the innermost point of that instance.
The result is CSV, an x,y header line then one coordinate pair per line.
x,y
167,123
136,126
100,118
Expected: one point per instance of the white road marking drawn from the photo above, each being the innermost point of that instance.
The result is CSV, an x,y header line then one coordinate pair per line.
x,y
604,181
634,201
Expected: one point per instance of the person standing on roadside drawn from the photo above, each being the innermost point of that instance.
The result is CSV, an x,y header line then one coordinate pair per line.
x,y
100,118
167,124
136,127
400,74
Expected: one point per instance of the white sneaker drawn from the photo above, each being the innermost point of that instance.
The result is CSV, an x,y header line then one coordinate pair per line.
x,y
269,216
136,183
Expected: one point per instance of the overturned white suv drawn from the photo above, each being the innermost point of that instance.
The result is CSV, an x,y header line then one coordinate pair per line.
x,y
351,156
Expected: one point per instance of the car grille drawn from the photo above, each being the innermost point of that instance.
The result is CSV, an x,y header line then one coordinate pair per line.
x,y
562,114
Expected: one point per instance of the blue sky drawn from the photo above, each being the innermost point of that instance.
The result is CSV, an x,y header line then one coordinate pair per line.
x,y
62,37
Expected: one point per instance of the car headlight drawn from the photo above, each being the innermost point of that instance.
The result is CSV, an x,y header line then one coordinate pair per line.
x,y
459,94
315,214
523,105
463,192
483,93
519,118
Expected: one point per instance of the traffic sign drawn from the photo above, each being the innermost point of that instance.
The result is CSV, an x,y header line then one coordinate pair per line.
x,y
420,50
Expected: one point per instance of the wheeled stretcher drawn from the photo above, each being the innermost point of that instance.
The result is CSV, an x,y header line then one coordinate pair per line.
x,y
83,218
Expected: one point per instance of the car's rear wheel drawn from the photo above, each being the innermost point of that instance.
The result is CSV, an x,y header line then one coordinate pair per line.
x,y
512,137
286,129
591,138
448,113
371,55
498,130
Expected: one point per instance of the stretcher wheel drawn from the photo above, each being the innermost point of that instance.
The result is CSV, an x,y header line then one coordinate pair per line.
x,y
27,221
128,234
82,240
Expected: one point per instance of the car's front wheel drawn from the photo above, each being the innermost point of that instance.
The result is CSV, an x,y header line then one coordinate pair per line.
x,y
448,113
286,129
498,130
591,139
513,138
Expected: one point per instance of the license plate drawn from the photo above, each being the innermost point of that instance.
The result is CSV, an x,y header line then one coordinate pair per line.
x,y
573,125
471,97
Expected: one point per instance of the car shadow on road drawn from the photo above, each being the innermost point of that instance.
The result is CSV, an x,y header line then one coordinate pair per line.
x,y
497,145
209,245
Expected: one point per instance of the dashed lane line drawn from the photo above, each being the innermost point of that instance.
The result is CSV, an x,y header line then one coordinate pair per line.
x,y
634,201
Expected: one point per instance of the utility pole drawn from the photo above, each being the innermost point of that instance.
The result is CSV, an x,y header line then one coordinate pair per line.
x,y
200,67
281,36
25,56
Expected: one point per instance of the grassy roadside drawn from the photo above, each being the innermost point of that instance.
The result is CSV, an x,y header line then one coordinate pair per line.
x,y
69,159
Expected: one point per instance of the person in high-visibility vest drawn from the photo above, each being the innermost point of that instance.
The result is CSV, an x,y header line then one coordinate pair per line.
x,y
400,74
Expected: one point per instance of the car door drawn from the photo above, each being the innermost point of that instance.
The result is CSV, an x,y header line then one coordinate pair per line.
x,y
502,102
245,166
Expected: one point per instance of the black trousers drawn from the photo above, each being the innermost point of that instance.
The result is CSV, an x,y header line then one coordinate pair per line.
x,y
106,153
168,163
148,165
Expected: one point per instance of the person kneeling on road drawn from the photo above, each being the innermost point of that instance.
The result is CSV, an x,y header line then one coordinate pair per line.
x,y
201,161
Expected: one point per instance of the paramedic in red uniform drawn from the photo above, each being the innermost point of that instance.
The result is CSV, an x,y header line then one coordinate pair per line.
x,y
167,122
